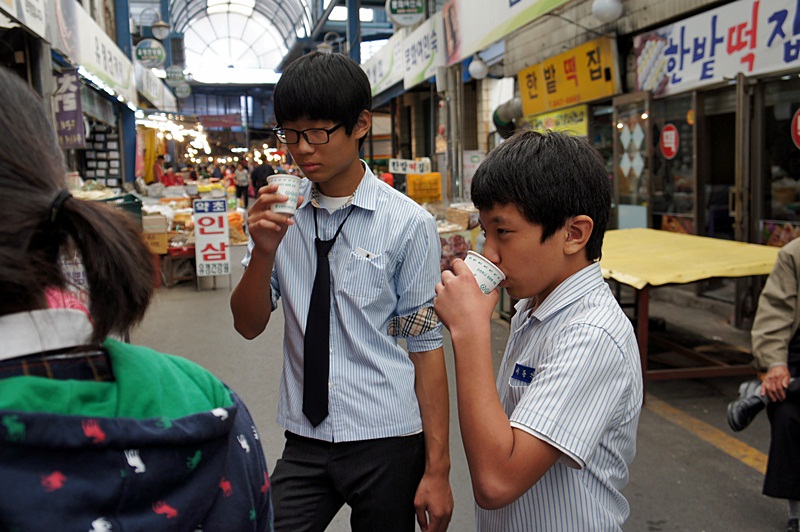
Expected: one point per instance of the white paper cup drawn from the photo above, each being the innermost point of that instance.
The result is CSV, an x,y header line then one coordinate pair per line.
x,y
288,185
487,274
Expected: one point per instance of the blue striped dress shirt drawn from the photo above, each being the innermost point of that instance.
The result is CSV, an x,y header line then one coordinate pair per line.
x,y
571,376
385,263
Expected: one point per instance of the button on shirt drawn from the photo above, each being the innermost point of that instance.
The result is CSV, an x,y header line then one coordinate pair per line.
x,y
571,376
385,263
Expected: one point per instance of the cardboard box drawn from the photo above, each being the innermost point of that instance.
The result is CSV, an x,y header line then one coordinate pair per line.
x,y
154,223
157,242
463,215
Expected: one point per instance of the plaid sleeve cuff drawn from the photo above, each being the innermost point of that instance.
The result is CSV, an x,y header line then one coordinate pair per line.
x,y
421,321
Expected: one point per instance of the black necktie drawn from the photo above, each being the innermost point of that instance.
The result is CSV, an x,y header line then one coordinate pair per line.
x,y
316,348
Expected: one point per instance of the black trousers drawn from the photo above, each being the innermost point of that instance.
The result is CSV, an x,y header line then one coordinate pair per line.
x,y
376,478
783,466
241,192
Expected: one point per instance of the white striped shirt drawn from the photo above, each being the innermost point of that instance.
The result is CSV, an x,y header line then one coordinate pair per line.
x,y
579,352
371,378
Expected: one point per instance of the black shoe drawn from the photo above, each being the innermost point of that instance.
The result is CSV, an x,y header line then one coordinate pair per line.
x,y
793,525
742,411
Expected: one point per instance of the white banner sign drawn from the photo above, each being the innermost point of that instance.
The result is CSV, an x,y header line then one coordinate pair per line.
x,y
749,36
73,32
212,241
154,90
472,25
30,14
423,51
408,166
385,68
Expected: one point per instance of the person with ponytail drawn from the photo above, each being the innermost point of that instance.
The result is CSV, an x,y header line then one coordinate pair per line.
x,y
97,434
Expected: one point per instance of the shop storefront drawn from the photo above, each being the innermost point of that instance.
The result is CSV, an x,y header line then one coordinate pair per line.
x,y
707,146
94,89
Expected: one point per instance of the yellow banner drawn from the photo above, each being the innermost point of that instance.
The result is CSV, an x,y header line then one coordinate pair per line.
x,y
571,120
585,73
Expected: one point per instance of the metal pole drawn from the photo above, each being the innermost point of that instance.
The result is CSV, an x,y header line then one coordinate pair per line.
x,y
354,30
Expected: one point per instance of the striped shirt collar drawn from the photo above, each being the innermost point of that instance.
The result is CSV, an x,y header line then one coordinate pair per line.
x,y
573,288
39,331
365,195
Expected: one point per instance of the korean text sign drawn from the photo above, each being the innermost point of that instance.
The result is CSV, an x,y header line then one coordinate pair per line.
x,y
585,73
68,110
212,242
749,36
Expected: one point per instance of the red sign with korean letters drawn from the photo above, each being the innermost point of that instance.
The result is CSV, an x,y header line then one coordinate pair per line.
x,y
670,141
212,241
796,128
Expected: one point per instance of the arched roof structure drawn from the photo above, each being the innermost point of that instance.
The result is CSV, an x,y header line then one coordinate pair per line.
x,y
254,34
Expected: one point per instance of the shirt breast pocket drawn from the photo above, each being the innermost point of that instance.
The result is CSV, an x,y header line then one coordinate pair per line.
x,y
364,278
516,389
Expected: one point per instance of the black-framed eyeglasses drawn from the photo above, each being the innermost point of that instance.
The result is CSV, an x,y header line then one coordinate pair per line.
x,y
314,135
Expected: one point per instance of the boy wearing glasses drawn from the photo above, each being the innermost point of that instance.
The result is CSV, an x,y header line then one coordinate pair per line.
x,y
355,269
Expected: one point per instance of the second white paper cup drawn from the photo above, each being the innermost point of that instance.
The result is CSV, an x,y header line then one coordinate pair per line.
x,y
288,185
487,274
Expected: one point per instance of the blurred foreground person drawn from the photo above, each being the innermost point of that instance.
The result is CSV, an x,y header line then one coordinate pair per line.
x,y
776,348
96,434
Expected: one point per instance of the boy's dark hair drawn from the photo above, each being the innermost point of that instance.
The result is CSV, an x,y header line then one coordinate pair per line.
x,y
322,86
35,230
549,177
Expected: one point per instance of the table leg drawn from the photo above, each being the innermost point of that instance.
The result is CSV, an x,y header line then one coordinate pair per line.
x,y
643,327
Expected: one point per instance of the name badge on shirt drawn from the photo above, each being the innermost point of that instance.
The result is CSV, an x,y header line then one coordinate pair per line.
x,y
523,373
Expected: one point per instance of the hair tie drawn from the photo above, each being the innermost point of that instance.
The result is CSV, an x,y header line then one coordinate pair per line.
x,y
58,201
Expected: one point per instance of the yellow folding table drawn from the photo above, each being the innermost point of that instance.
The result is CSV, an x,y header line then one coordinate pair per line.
x,y
641,258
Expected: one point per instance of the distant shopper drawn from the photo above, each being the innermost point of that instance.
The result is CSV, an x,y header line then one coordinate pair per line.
x,y
550,447
158,169
96,434
776,348
366,422
259,176
241,179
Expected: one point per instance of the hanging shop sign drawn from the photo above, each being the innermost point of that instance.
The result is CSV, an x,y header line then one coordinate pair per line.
x,y
150,53
184,90
29,13
174,75
73,33
385,67
585,73
68,111
405,12
212,241
669,141
749,36
470,26
570,120
423,52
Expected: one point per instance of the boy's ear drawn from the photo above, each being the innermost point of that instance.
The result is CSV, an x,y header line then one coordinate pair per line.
x,y
579,229
363,124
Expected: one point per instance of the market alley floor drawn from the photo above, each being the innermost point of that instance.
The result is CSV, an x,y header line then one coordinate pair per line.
x,y
691,473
